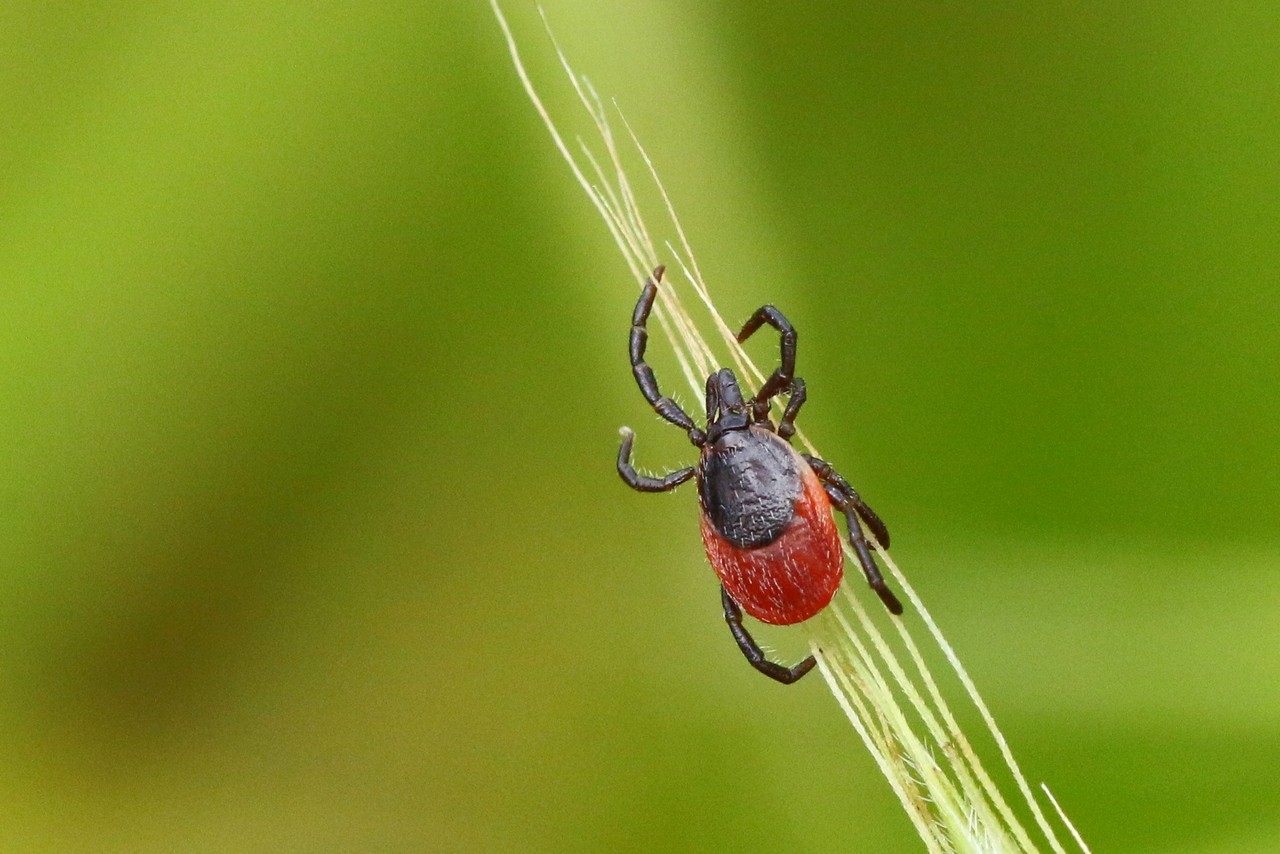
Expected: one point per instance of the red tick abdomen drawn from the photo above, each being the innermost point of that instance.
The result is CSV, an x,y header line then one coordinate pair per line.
x,y
792,578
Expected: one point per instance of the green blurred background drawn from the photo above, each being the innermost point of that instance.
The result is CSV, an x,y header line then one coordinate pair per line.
x,y
313,361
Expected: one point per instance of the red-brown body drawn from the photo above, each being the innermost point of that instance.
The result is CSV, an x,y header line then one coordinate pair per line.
x,y
796,575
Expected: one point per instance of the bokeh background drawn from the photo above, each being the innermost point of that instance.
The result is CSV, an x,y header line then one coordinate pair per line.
x,y
312,361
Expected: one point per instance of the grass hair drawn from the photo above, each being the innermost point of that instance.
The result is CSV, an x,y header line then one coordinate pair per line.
x,y
896,707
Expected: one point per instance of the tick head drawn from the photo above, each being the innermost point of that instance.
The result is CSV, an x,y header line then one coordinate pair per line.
x,y
726,410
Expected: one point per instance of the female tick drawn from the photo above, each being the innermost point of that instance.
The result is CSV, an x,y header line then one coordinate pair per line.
x,y
765,509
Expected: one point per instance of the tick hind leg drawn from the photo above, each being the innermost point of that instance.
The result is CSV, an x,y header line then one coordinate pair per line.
x,y
755,655
846,499
664,406
783,376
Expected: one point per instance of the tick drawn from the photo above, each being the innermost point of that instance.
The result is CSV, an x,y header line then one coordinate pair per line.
x,y
766,509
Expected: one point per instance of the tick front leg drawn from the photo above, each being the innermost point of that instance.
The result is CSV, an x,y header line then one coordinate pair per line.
x,y
787,426
639,482
664,406
755,655
781,377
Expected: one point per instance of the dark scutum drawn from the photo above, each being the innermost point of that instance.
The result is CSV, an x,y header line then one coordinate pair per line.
x,y
748,485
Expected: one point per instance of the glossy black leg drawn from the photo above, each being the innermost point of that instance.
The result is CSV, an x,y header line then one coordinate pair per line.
x,y
847,500
755,655
829,475
642,483
664,406
781,377
796,399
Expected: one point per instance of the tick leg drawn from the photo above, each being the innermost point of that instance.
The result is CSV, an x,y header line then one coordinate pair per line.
x,y
664,406
833,478
639,482
796,399
781,377
847,500
755,655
